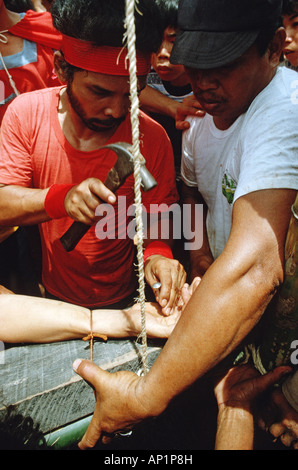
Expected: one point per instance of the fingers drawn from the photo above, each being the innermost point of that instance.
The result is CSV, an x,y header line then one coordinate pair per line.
x,y
189,107
171,275
93,375
88,371
92,435
264,382
82,200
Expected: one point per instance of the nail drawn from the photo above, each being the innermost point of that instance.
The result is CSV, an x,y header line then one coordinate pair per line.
x,y
76,364
111,199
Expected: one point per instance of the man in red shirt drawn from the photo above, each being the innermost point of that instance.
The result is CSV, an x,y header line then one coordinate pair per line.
x,y
52,167
27,46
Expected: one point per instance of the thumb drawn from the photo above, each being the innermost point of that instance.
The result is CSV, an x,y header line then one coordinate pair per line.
x,y
89,371
92,374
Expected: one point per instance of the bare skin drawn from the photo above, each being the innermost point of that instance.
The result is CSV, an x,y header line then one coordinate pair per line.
x,y
49,320
291,47
102,102
216,318
283,422
236,393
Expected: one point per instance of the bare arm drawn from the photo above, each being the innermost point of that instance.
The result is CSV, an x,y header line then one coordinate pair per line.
x,y
201,259
227,304
153,101
26,206
236,394
22,206
37,320
232,295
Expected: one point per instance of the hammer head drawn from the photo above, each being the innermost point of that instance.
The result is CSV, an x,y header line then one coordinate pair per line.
x,y
125,167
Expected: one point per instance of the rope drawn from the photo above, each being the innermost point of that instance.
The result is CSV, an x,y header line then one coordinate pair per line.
x,y
134,116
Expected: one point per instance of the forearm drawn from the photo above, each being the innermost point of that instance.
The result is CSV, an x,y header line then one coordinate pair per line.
x,y
37,320
22,206
235,429
200,258
212,325
154,101
230,299
26,319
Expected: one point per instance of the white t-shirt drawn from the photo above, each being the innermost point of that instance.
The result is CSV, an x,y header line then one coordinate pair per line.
x,y
259,151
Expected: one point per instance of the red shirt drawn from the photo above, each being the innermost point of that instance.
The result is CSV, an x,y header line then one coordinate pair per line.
x,y
34,153
32,68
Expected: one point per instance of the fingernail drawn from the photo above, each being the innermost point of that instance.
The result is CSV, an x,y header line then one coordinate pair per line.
x,y
111,199
163,303
76,364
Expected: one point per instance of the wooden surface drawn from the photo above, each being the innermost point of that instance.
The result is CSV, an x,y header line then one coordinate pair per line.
x,y
40,382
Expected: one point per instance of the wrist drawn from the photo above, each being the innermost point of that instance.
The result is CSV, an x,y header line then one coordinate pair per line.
x,y
54,200
153,404
158,248
234,408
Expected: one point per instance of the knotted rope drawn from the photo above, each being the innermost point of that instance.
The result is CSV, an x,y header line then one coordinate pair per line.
x,y
130,36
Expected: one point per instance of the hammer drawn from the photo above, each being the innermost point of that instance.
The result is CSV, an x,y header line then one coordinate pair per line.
x,y
123,167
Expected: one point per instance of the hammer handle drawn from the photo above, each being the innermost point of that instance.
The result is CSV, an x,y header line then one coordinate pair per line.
x,y
77,230
73,235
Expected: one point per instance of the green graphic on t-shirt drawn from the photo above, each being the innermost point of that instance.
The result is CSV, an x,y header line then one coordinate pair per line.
x,y
228,187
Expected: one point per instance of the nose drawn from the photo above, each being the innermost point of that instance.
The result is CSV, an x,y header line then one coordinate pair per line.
x,y
117,107
164,51
204,80
289,32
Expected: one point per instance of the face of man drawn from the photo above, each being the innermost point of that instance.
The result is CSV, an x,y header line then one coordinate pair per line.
x,y
227,92
100,102
161,61
291,46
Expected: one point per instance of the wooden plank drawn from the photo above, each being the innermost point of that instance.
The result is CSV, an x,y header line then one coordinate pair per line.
x,y
38,380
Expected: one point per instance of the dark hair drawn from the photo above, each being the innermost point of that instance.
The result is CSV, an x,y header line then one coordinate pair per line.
x,y
102,22
18,432
19,6
290,7
168,12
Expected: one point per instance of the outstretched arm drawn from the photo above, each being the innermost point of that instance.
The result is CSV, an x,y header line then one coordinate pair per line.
x,y
36,320
227,304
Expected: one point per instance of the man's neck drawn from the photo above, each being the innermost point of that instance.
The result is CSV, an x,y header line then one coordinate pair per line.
x,y
75,131
224,122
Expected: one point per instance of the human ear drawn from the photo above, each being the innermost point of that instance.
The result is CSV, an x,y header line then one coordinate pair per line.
x,y
276,47
58,59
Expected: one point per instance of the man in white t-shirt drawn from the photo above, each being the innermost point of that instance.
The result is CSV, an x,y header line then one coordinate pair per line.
x,y
254,153
241,162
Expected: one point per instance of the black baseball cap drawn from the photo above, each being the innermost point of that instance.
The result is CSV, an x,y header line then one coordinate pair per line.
x,y
214,33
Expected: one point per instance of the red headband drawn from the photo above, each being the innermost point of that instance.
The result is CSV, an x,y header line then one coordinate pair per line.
x,y
102,59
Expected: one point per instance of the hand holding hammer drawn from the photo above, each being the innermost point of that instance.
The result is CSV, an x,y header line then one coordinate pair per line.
x,y
123,167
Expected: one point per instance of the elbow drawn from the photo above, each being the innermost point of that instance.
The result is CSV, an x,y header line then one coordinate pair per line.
x,y
266,278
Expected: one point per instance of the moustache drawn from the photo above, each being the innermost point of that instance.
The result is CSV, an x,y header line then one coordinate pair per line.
x,y
111,122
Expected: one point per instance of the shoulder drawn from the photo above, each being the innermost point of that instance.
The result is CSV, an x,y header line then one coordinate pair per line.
x,y
33,99
279,93
151,131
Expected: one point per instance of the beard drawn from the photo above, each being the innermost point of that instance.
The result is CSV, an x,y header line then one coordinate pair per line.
x,y
94,124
